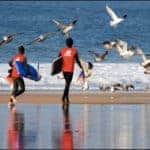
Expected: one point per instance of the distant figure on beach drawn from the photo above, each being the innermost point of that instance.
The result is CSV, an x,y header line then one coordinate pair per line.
x,y
85,74
18,82
69,56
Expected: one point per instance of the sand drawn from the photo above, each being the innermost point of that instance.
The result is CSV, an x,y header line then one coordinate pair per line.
x,y
82,98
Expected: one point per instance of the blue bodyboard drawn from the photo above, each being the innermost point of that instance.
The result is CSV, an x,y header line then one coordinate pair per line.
x,y
27,71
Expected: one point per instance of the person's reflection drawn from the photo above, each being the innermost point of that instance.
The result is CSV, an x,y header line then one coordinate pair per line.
x,y
67,136
15,130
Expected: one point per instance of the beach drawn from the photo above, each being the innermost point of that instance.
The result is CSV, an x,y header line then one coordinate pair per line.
x,y
82,98
94,119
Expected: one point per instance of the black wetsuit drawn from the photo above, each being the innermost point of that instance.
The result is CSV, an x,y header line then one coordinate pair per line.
x,y
68,78
18,86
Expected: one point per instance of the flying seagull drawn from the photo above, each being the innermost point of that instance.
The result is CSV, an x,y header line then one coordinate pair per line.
x,y
108,45
123,49
42,37
8,38
99,57
146,61
115,19
65,28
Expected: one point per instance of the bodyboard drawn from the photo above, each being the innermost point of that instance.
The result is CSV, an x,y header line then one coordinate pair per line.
x,y
56,66
27,71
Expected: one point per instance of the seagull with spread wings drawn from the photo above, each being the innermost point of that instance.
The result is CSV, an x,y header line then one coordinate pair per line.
x,y
8,38
122,48
146,61
98,56
43,37
115,19
65,28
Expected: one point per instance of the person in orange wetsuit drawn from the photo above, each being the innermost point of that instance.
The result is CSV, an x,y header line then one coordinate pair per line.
x,y
69,56
18,82
67,136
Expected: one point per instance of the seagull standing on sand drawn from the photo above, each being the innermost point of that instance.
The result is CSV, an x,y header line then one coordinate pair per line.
x,y
99,57
112,88
65,28
8,38
115,19
117,87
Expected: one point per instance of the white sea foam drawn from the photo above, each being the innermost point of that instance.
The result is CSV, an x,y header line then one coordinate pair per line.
x,y
104,73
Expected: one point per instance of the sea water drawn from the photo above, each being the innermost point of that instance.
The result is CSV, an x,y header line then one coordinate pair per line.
x,y
92,28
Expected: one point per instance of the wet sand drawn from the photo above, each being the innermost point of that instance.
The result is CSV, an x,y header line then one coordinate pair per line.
x,y
41,122
86,126
82,98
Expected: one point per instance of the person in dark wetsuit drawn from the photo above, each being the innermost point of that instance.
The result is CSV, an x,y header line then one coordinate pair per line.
x,y
18,82
69,56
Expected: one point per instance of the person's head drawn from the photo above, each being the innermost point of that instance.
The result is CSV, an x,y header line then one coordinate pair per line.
x,y
21,50
69,42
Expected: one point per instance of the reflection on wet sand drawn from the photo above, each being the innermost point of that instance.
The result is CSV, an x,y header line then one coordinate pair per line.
x,y
82,127
112,126
15,130
75,126
67,135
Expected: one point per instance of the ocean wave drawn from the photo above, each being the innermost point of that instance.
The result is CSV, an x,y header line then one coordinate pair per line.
x,y
103,74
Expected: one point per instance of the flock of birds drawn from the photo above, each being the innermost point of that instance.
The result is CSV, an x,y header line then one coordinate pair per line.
x,y
117,87
65,29
120,46
125,52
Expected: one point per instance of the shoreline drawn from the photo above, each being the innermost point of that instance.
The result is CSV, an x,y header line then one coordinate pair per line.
x,y
77,91
81,98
